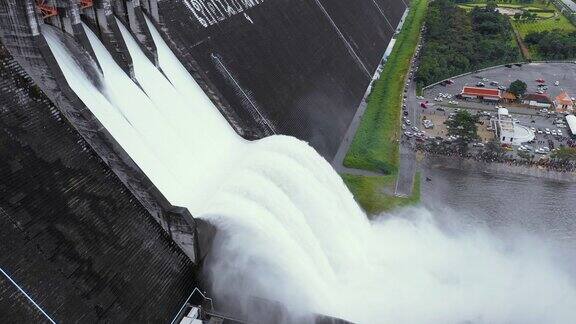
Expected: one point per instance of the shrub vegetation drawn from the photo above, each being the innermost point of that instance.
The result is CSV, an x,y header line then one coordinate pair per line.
x,y
458,41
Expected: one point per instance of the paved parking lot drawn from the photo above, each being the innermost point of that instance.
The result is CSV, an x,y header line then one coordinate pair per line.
x,y
551,72
537,121
564,73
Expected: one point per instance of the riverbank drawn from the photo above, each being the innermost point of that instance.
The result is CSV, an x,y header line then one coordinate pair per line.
x,y
460,163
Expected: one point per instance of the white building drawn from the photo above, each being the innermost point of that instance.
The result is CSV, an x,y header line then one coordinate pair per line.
x,y
509,132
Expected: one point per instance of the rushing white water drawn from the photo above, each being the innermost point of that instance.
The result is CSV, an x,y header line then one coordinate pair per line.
x,y
288,228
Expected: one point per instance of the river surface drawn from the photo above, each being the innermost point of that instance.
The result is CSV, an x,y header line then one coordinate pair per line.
x,y
502,201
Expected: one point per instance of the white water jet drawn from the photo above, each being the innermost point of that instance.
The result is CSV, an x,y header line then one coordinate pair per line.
x,y
288,228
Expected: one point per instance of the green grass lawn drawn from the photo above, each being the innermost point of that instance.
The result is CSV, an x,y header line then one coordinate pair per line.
x,y
375,145
547,21
374,194
470,6
536,4
561,23
539,7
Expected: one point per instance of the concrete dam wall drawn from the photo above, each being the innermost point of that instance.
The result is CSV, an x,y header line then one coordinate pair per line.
x,y
295,67
84,231
71,234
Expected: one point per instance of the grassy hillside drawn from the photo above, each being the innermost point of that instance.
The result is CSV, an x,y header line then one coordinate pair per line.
x,y
559,23
374,194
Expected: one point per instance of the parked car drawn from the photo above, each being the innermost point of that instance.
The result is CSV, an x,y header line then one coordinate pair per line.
x,y
540,151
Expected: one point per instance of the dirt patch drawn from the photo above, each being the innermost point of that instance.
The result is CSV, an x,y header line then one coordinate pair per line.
x,y
509,11
439,117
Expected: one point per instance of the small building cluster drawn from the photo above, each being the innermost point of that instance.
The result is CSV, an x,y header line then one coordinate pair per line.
x,y
562,103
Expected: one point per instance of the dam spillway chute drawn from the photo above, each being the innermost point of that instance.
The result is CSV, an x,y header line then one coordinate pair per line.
x,y
288,228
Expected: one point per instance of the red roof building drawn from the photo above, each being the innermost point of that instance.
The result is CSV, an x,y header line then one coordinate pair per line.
x,y
564,102
481,93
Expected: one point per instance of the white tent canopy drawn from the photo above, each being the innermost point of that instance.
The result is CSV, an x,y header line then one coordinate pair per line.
x,y
571,120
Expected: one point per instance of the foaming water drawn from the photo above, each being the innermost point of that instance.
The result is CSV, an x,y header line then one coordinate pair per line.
x,y
288,228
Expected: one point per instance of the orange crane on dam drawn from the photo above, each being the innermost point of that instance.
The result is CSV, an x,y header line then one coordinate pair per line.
x,y
48,10
85,4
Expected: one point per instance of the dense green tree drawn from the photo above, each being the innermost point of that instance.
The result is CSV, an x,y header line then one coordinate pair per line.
x,y
556,44
565,154
494,151
464,126
458,42
518,88
525,155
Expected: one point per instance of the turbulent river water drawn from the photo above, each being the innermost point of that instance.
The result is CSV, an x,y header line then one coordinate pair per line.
x,y
290,231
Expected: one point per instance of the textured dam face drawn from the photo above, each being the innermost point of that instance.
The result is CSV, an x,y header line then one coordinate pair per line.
x,y
71,234
289,232
299,68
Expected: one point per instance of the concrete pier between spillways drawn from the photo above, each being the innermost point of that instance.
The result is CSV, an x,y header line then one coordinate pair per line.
x,y
75,211
21,28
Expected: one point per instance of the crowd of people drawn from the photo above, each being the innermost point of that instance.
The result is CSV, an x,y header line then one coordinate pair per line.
x,y
491,154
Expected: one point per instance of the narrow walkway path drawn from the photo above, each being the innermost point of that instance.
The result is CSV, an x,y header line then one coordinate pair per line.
x,y
407,169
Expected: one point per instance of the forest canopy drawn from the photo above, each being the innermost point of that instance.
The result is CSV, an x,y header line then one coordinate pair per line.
x,y
458,41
